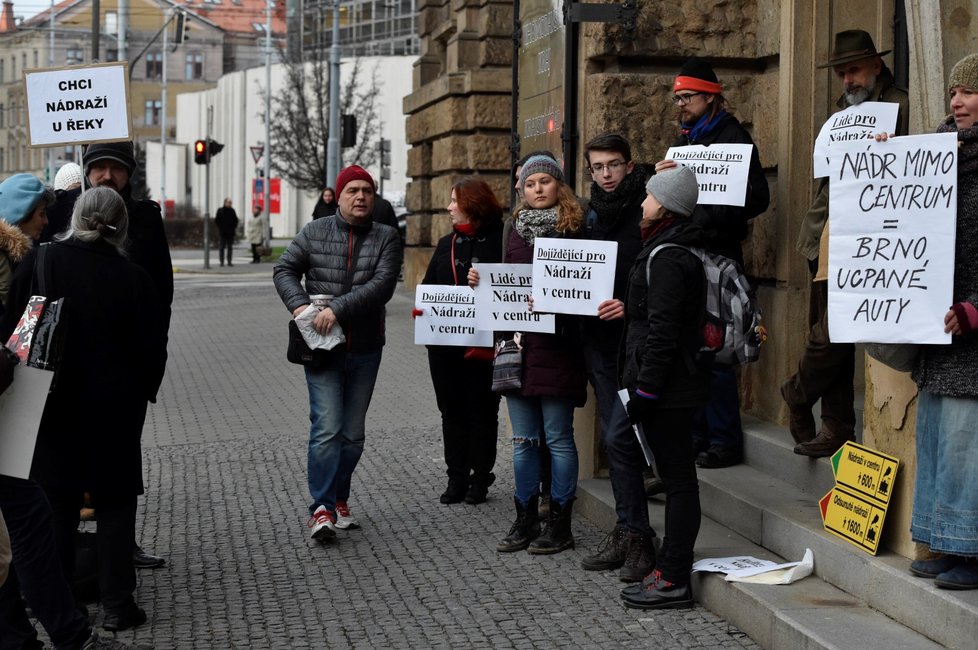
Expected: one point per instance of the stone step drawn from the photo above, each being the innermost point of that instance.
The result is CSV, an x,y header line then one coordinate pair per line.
x,y
808,615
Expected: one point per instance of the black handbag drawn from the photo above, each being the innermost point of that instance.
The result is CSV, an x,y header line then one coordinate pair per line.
x,y
300,353
507,365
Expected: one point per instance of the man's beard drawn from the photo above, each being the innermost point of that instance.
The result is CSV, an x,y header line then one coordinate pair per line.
x,y
856,97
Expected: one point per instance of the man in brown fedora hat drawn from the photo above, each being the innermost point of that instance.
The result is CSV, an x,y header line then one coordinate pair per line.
x,y
825,371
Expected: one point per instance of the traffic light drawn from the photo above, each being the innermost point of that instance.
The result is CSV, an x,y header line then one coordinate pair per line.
x,y
385,159
349,127
204,150
180,32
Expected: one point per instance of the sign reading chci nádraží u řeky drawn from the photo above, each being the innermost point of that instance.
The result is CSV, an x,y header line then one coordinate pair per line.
x,y
78,104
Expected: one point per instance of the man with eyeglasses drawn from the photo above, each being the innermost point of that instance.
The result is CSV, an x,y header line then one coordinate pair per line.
x,y
825,371
617,192
718,437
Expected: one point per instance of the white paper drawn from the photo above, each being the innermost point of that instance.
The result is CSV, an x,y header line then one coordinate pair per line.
x,y
448,317
21,406
721,171
892,208
860,122
314,339
637,428
501,300
745,568
572,276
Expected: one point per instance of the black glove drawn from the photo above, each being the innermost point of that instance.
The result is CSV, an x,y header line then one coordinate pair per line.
x,y
641,406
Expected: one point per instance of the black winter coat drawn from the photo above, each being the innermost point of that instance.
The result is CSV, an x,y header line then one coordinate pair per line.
x,y
113,362
321,253
726,225
226,220
664,321
553,364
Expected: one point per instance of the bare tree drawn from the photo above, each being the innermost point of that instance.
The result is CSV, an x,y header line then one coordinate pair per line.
x,y
300,120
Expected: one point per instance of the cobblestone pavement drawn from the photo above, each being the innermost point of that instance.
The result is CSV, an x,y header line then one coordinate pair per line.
x,y
224,453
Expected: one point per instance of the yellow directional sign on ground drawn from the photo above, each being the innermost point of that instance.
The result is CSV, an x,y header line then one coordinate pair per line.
x,y
853,518
865,471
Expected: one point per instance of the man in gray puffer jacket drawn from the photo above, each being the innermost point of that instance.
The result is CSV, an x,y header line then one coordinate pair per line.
x,y
354,261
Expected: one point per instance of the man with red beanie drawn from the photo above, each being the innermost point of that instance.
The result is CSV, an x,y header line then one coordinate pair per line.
x,y
355,261
698,95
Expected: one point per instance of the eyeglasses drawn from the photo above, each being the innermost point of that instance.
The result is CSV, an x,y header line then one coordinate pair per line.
x,y
612,167
682,100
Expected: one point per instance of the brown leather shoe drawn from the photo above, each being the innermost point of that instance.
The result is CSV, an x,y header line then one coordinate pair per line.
x,y
801,422
824,444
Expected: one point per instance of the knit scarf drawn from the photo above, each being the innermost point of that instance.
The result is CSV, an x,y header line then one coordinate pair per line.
x,y
967,145
648,232
608,204
531,224
467,229
703,126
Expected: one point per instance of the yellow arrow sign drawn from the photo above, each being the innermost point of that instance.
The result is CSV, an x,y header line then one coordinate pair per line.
x,y
865,471
852,517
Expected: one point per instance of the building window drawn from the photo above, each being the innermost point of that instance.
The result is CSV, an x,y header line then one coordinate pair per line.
x,y
13,68
1,116
3,70
69,153
23,62
35,58
1,160
74,55
152,116
154,65
194,67
111,54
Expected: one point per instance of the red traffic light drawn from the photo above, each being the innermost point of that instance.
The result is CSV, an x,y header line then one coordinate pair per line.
x,y
200,152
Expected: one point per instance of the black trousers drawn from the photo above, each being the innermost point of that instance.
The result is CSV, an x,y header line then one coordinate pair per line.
x,y
669,435
225,243
255,257
115,543
469,412
825,371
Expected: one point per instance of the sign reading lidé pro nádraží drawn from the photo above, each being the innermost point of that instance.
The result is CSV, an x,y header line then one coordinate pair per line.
x,y
447,317
721,171
892,221
501,300
865,471
78,104
572,276
860,122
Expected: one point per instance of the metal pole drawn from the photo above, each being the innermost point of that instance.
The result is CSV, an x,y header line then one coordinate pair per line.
x,y
207,187
96,15
267,182
123,28
333,142
166,32
51,171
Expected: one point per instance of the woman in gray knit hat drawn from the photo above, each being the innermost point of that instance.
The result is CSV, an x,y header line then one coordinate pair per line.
x,y
945,506
666,378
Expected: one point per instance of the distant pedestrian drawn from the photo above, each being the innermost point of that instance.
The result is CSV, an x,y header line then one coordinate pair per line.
x,y
226,221
326,205
67,188
462,377
356,261
256,233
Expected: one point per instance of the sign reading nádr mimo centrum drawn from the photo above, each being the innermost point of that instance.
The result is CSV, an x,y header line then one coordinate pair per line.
x,y
78,104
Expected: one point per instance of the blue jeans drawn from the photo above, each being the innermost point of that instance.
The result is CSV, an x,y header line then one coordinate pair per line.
x,y
552,419
625,459
945,504
718,423
338,401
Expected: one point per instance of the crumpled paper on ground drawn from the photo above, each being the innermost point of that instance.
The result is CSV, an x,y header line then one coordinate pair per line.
x,y
764,572
314,339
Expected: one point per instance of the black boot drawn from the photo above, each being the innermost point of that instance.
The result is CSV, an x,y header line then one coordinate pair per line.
x,y
525,529
556,535
610,554
639,557
479,488
455,491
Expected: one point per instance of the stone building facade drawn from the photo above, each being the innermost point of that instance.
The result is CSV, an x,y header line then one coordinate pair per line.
x,y
765,53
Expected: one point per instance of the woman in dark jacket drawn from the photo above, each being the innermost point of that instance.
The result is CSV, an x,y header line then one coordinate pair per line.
x,y
664,373
463,378
326,205
112,364
553,378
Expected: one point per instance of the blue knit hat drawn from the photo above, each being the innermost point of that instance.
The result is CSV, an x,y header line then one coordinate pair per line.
x,y
538,164
19,195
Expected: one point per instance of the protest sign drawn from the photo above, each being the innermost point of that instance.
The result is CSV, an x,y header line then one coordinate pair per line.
x,y
21,406
721,171
572,276
78,104
501,300
859,122
448,317
892,208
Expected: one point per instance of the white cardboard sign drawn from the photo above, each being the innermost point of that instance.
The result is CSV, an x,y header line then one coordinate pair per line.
x,y
892,219
21,406
448,317
859,122
501,300
721,171
572,276
78,104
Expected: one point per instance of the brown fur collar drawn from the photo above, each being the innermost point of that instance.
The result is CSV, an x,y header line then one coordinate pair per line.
x,y
14,242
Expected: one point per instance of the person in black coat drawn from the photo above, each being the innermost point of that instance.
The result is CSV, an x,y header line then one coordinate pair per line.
x,y
462,377
326,205
112,364
226,221
666,378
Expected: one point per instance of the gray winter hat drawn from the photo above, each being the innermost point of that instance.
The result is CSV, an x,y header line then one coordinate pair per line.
x,y
676,189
